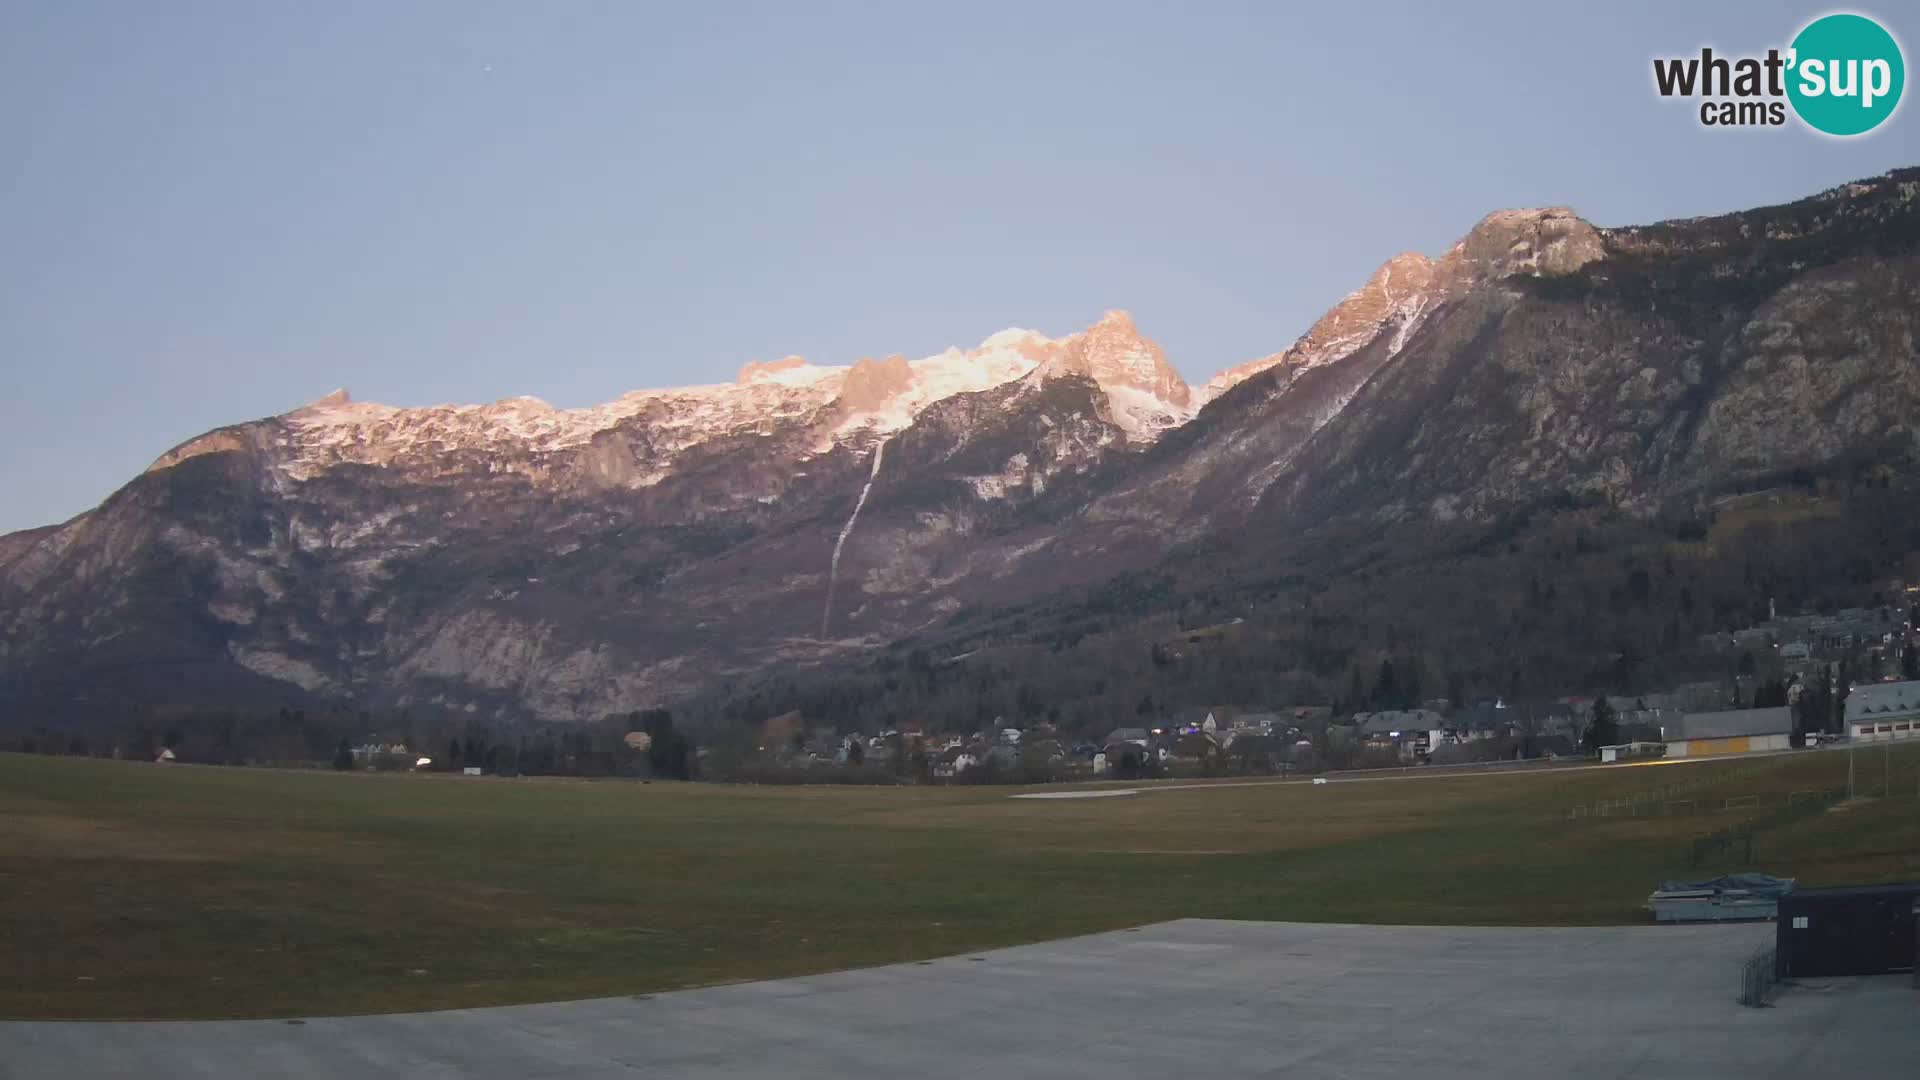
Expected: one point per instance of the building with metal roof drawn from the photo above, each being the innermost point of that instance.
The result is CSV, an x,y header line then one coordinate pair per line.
x,y
1729,731
1879,711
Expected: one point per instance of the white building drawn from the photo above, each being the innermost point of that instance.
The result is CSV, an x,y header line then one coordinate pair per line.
x,y
1884,711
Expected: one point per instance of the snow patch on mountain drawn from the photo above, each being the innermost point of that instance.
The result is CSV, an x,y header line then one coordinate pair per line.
x,y
1143,415
847,405
1002,358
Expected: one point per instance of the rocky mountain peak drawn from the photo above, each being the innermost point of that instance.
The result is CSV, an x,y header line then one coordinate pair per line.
x,y
1549,241
324,405
871,384
1117,323
1113,353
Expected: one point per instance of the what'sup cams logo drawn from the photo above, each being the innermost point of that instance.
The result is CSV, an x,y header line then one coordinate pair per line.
x,y
1842,75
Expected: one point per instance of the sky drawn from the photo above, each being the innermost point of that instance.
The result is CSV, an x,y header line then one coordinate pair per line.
x,y
216,211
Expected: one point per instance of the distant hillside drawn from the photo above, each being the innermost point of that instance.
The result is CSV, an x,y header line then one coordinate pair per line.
x,y
1544,458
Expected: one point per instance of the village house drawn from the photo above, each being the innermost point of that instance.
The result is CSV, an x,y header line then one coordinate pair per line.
x,y
1253,723
1226,723
1481,720
848,747
1539,729
1705,696
1137,745
1261,752
1551,746
1194,748
1883,711
1413,732
1623,704
952,762
382,755
1188,721
1553,718
1639,719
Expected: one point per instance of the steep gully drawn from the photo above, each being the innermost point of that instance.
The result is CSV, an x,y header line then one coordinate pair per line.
x,y
833,568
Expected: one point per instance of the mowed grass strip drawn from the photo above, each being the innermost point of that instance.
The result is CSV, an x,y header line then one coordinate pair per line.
x,y
133,890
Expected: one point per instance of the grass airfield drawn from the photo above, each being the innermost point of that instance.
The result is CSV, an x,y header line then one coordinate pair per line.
x,y
132,890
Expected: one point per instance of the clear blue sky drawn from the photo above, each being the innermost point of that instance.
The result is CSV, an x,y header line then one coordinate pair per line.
x,y
212,211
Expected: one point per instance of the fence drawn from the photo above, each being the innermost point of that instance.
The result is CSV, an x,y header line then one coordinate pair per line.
x,y
1735,842
1758,977
1671,798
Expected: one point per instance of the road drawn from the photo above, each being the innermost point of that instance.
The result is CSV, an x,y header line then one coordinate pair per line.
x,y
1187,998
1425,773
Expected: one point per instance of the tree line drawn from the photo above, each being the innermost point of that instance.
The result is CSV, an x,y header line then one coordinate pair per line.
x,y
291,737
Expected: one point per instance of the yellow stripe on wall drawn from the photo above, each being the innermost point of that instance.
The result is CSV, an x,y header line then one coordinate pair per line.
x,y
1738,744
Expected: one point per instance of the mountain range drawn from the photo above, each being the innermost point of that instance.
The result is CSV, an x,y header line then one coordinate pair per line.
x,y
518,562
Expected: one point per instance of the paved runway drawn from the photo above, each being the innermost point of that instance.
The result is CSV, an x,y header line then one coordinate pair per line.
x,y
1194,998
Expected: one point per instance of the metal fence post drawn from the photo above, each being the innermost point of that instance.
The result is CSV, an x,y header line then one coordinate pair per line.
x,y
1757,978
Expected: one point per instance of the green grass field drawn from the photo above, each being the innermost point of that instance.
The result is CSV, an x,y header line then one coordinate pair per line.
x,y
139,890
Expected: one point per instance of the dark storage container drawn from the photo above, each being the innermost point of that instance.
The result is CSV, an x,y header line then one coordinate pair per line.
x,y
1855,930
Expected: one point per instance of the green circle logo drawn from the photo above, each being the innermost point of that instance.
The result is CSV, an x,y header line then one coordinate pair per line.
x,y
1846,74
